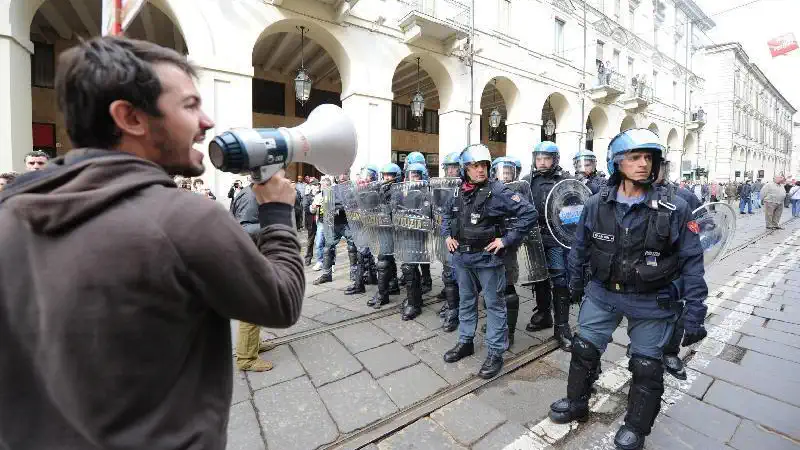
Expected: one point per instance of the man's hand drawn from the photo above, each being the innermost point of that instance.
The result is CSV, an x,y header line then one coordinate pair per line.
x,y
452,244
693,334
277,190
495,246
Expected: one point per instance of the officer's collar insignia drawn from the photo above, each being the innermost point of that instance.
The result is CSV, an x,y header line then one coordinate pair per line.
x,y
693,226
515,197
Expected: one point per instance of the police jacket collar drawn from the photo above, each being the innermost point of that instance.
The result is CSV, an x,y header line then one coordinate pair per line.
x,y
556,172
652,196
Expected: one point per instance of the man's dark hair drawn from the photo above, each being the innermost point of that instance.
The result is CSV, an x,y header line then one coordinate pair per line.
x,y
37,154
9,176
97,72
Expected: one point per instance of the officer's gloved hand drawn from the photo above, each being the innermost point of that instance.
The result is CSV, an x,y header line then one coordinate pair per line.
x,y
576,295
693,334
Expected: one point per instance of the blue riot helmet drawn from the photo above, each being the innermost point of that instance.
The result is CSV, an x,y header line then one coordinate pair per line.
x,y
474,153
414,158
585,162
504,169
393,170
630,141
369,173
546,148
416,172
449,163
518,163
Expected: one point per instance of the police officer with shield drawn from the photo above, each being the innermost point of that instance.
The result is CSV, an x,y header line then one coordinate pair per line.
x,y
477,234
427,281
451,170
339,230
585,163
365,270
545,174
505,171
386,267
644,253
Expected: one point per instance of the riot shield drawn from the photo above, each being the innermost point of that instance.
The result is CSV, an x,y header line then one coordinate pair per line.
x,y
442,190
354,215
521,187
532,259
563,209
328,206
412,220
376,218
716,225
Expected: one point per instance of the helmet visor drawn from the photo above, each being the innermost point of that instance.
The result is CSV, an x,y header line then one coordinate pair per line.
x,y
544,160
505,172
451,170
585,165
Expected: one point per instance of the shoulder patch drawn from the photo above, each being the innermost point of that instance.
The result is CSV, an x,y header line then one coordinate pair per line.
x,y
516,198
693,226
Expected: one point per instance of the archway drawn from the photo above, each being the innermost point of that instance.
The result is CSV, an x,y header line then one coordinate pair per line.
x,y
494,113
411,130
627,123
654,128
598,134
554,113
58,25
690,155
673,141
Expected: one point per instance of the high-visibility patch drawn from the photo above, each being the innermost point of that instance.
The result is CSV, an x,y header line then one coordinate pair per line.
x,y
693,227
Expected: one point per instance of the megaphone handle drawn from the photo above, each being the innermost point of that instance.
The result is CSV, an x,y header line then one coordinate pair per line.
x,y
261,175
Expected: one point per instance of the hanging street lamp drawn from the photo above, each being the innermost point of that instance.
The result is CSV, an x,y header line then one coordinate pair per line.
x,y
495,117
302,82
417,101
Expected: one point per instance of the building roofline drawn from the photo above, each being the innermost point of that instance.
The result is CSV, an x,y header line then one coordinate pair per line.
x,y
772,87
696,14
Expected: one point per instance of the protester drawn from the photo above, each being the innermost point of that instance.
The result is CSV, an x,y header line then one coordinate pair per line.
x,y
198,185
36,160
772,195
755,196
118,288
309,221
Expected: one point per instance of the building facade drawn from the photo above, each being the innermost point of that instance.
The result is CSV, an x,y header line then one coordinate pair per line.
x,y
563,70
749,131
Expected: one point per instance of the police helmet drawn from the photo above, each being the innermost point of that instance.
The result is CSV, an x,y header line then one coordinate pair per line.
x,y
414,158
518,163
392,169
504,169
634,140
547,148
472,154
450,160
369,172
583,159
416,168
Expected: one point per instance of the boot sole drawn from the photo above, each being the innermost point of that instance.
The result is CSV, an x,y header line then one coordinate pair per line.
x,y
537,327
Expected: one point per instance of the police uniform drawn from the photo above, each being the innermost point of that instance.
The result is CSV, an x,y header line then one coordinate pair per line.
x,y
365,271
417,276
642,253
554,291
475,218
595,181
386,266
334,234
449,311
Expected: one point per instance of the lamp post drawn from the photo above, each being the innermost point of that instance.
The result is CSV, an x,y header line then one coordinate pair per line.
x,y
417,101
302,82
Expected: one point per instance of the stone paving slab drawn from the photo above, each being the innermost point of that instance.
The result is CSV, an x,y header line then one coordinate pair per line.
x,y
389,358
405,332
709,420
243,430
362,336
410,385
325,359
751,436
770,348
769,364
775,414
669,434
356,402
468,419
241,390
422,434
285,367
511,436
431,352
762,382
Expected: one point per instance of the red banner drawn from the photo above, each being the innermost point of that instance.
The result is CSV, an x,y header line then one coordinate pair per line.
x,y
782,45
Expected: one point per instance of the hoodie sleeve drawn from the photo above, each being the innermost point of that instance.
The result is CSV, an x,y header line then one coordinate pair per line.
x,y
262,284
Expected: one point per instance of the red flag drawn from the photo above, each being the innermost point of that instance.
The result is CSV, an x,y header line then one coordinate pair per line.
x,y
782,44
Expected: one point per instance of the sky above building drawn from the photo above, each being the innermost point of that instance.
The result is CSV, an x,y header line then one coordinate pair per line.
x,y
754,22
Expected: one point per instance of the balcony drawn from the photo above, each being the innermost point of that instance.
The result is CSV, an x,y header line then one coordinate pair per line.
x,y
698,120
641,95
609,84
437,20
341,8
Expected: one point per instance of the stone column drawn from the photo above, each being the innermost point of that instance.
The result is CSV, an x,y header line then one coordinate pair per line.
x,y
16,128
521,137
453,126
568,143
372,117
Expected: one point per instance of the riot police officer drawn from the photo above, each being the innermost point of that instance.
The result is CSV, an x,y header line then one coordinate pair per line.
x,y
547,173
450,169
477,234
673,364
339,230
417,200
505,170
365,271
386,267
585,163
643,250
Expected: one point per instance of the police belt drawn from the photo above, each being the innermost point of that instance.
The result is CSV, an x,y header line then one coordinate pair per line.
x,y
473,246
621,288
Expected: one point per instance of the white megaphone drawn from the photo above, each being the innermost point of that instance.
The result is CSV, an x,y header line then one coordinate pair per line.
x,y
326,140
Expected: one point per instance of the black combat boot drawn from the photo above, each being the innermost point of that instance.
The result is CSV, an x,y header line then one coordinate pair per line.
x,y
583,369
512,311
394,286
541,319
327,263
450,319
460,351
370,273
427,282
491,366
561,330
644,402
413,306
382,296
673,364
357,275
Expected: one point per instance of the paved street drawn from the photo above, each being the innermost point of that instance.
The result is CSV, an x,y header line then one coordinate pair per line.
x,y
344,369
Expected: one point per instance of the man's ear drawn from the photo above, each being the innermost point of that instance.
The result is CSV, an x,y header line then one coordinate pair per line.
x,y
127,118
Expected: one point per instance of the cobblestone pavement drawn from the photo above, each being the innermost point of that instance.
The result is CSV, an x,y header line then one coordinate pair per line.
x,y
342,368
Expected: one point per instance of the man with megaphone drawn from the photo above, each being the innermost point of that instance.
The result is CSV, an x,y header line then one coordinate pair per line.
x,y
118,288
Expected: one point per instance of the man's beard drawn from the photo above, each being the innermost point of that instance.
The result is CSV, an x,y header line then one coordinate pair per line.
x,y
169,149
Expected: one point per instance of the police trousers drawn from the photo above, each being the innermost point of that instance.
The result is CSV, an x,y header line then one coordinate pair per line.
x,y
598,319
492,279
332,237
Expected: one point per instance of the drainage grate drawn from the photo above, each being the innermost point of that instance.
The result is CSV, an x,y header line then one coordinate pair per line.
x,y
732,353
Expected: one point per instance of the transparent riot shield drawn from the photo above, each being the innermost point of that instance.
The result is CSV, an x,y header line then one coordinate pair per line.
x,y
563,209
328,206
376,218
521,187
412,220
532,259
351,209
442,190
715,224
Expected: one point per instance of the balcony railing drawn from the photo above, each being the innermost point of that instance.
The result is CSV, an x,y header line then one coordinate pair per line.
x,y
608,84
442,20
639,96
